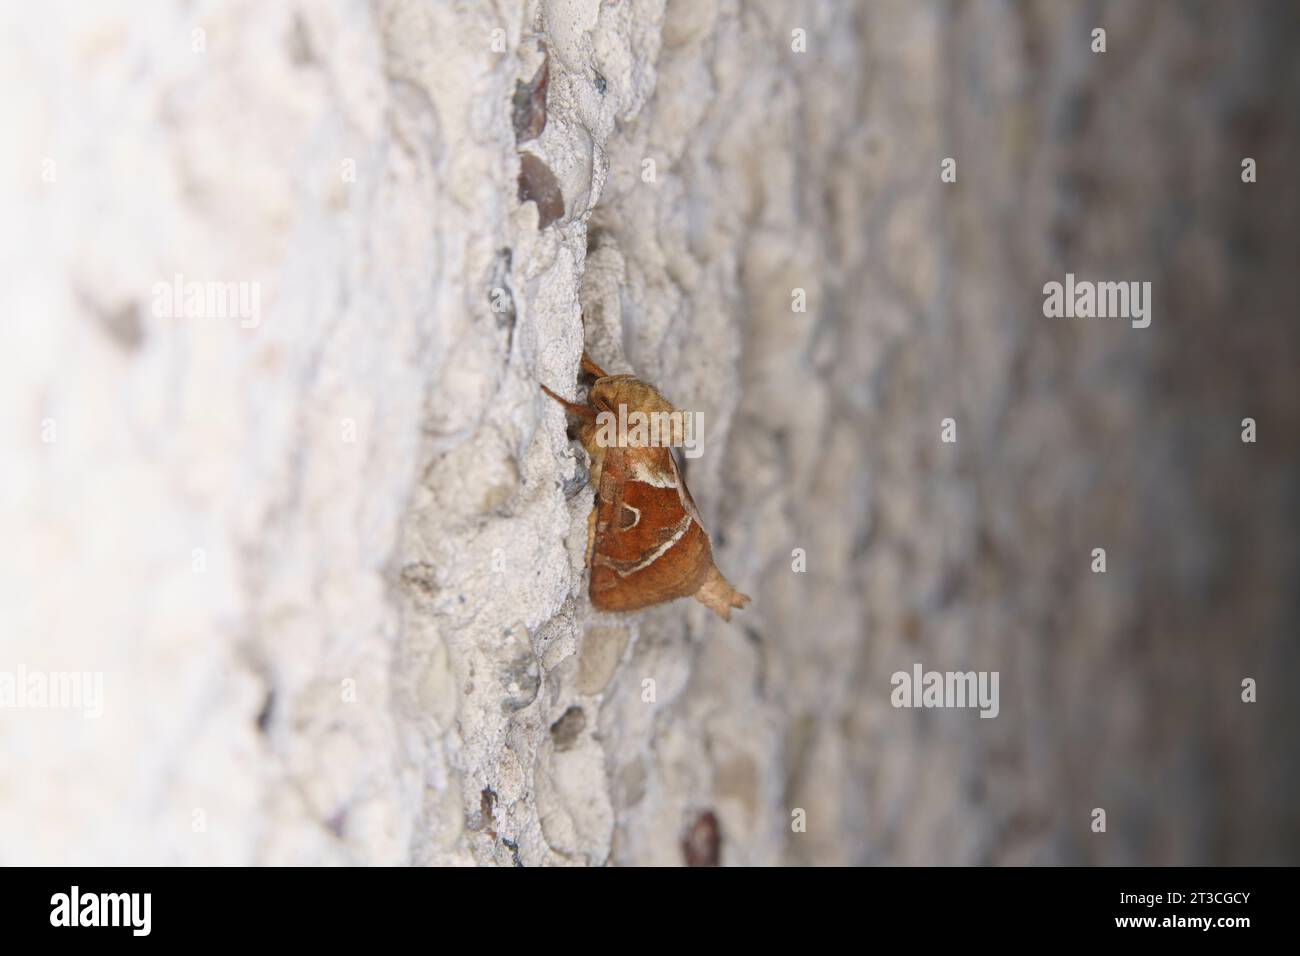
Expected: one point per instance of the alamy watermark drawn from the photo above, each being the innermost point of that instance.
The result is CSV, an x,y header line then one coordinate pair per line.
x,y
130,910
180,299
640,429
1101,300
922,688
55,690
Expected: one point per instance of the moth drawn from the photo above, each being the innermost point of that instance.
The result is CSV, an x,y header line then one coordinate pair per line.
x,y
645,542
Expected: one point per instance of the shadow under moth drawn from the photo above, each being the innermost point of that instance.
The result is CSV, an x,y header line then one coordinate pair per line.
x,y
645,542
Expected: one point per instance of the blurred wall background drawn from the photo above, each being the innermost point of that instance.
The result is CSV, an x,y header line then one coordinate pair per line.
x,y
325,549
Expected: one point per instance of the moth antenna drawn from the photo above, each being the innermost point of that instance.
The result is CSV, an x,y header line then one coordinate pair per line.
x,y
591,368
573,408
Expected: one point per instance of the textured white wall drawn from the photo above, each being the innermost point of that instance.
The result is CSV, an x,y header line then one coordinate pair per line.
x,y
328,559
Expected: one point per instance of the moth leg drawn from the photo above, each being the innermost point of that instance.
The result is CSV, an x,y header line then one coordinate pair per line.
x,y
591,534
591,368
585,412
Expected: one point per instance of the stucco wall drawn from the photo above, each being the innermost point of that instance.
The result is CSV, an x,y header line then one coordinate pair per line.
x,y
326,552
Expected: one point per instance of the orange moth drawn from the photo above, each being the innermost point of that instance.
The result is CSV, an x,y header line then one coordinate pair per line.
x,y
645,542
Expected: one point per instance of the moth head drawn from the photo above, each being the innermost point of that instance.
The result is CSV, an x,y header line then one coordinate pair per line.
x,y
608,393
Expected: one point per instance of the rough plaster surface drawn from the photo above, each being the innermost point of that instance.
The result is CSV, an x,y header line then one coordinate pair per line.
x,y
379,650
